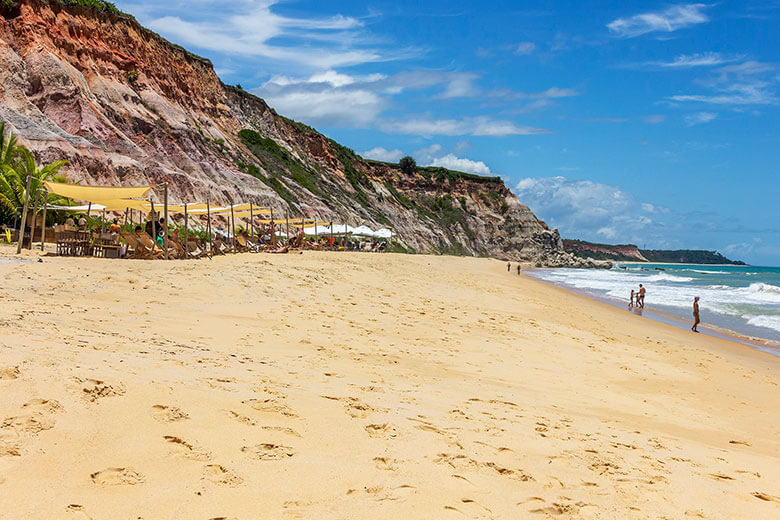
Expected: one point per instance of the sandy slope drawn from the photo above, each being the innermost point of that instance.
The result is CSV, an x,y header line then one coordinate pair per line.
x,y
360,385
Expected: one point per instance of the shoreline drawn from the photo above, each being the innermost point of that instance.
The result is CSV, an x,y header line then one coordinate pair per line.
x,y
634,262
762,345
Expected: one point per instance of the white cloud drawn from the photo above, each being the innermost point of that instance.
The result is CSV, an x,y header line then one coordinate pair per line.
x,y
326,98
478,126
426,155
382,154
669,20
738,94
452,162
252,28
654,119
587,209
748,83
704,59
524,48
460,85
699,118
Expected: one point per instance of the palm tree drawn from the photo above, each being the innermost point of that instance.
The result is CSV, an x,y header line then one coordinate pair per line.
x,y
12,191
16,163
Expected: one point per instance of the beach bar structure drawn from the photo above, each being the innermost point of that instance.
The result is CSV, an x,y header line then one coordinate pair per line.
x,y
129,199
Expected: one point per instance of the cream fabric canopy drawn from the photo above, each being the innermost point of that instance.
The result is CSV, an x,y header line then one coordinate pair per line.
x,y
96,193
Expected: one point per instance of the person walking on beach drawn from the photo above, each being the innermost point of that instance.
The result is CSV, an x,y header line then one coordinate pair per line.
x,y
640,298
518,269
696,319
631,300
508,266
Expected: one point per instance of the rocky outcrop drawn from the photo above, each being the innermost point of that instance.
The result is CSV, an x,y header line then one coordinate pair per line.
x,y
124,106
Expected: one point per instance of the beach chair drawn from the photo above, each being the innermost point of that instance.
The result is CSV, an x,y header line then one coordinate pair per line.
x,y
148,247
244,245
134,249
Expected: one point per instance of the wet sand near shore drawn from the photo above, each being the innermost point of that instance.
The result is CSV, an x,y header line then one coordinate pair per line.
x,y
348,385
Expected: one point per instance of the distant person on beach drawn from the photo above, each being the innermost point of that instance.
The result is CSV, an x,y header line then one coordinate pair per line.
x,y
696,319
114,227
518,269
508,266
640,299
631,300
151,227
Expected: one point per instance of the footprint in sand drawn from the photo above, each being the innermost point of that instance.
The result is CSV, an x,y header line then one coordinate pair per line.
x,y
386,464
117,477
78,509
282,429
221,476
168,414
356,408
94,389
241,418
765,497
383,431
268,452
270,406
37,416
187,450
9,373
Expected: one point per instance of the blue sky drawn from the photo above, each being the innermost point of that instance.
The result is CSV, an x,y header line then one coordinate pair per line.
x,y
654,123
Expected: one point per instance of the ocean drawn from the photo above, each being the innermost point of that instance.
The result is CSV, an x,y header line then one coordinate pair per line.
x,y
743,300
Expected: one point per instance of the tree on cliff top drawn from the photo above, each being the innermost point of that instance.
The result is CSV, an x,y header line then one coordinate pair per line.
x,y
408,165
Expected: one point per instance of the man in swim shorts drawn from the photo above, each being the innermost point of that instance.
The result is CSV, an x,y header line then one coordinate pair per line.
x,y
696,319
640,299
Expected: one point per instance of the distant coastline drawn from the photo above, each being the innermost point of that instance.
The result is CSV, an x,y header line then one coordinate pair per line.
x,y
632,253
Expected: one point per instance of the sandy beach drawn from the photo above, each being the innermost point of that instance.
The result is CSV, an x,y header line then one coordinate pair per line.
x,y
330,385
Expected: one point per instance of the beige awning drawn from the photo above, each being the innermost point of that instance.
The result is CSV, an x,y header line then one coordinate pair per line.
x,y
96,193
238,210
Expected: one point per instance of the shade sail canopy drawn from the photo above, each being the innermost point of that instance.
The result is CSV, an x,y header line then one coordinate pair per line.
x,y
238,210
96,193
83,208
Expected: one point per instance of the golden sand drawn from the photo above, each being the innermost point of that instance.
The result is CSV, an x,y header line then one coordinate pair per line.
x,y
330,385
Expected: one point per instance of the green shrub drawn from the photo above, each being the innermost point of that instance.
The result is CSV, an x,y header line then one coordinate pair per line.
x,y
407,165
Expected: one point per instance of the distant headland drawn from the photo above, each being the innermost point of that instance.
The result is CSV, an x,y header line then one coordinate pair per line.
x,y
632,253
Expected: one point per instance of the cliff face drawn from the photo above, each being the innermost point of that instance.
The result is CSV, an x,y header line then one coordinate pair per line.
x,y
125,106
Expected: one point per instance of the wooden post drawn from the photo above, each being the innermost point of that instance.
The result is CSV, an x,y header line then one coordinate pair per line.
x,y
103,224
287,224
154,222
165,222
208,225
34,214
273,230
186,246
251,221
233,226
43,224
127,210
24,214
